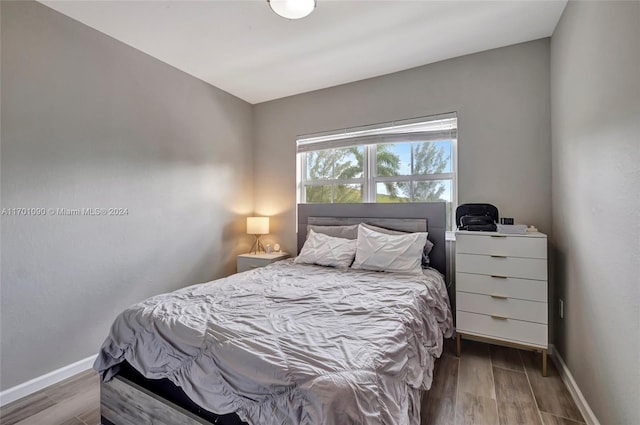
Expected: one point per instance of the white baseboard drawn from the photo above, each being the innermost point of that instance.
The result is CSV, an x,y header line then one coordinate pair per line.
x,y
574,390
36,384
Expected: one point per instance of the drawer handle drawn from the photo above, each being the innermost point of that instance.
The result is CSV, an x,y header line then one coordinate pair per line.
x,y
500,297
498,236
498,256
495,276
498,317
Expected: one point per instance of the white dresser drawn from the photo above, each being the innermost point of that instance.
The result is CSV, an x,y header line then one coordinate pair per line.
x,y
501,289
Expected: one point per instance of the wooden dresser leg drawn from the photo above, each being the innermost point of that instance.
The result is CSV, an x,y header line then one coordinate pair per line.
x,y
544,362
458,345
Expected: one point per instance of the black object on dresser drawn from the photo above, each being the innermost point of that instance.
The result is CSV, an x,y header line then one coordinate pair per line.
x,y
477,217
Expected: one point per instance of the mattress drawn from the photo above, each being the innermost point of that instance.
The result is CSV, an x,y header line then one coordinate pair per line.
x,y
291,343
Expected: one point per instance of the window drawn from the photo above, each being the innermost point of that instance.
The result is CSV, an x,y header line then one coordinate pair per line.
x,y
406,161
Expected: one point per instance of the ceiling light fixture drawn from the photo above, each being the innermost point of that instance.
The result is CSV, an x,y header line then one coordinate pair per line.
x,y
292,9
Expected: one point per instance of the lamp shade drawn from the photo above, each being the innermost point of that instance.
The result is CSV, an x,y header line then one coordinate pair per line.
x,y
257,225
292,9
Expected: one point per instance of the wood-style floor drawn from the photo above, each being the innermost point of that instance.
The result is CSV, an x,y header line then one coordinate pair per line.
x,y
488,384
75,401
496,385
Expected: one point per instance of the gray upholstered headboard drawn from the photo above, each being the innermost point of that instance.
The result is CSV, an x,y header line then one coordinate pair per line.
x,y
423,216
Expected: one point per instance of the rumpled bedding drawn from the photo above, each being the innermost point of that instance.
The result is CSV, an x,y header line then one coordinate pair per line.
x,y
292,344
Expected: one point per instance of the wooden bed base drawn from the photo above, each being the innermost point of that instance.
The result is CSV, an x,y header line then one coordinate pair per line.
x,y
124,402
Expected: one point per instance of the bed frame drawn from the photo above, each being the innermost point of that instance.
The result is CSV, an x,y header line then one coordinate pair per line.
x,y
130,399
414,217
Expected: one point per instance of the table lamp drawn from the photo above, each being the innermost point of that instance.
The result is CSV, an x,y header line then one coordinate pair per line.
x,y
257,226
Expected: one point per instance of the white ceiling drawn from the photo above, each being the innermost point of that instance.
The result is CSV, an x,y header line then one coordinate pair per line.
x,y
242,47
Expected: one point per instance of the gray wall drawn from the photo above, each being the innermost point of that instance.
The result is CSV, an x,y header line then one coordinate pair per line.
x,y
504,143
90,122
504,149
595,87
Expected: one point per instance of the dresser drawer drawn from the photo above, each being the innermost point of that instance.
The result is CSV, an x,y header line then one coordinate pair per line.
x,y
508,246
524,289
509,330
525,268
511,308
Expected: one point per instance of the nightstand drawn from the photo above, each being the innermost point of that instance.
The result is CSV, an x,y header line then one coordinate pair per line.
x,y
501,289
253,261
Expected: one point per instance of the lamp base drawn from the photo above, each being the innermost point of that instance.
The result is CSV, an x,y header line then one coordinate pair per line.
x,y
257,246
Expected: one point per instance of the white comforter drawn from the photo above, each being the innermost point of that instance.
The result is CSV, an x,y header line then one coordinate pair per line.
x,y
292,344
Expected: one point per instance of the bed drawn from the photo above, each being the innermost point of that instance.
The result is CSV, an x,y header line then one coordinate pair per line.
x,y
288,343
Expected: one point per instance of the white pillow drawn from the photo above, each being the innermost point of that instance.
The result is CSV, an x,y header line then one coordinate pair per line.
x,y
428,246
389,253
327,251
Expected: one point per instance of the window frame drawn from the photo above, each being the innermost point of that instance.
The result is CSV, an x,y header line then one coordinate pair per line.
x,y
370,177
303,182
